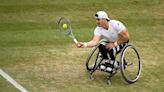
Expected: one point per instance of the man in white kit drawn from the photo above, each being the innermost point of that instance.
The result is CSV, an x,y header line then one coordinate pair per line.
x,y
114,32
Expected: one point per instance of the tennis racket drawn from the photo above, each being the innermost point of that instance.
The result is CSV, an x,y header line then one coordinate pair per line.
x,y
64,26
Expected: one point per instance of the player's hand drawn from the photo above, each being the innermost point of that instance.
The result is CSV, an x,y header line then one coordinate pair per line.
x,y
110,46
80,45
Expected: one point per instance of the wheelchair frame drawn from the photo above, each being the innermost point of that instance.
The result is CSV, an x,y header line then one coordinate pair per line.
x,y
122,63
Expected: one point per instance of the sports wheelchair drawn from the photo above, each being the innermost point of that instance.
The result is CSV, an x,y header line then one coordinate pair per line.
x,y
129,63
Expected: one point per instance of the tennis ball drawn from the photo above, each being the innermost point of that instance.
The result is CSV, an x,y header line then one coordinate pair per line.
x,y
65,26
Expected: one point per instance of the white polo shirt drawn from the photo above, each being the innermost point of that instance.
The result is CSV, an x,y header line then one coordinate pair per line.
x,y
112,34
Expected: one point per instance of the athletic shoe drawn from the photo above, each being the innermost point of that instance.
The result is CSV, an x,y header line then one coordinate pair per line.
x,y
102,67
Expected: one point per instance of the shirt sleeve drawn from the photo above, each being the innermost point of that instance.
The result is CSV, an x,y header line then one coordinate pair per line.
x,y
97,31
118,26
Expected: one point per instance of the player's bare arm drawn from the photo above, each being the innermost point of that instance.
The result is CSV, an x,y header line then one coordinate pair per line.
x,y
124,38
91,43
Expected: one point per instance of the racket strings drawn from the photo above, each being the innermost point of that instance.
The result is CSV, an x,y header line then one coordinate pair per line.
x,y
66,31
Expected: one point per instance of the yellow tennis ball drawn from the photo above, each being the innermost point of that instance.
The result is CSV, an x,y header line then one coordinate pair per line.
x,y
65,26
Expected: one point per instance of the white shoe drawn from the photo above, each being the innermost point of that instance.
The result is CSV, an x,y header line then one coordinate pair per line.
x,y
109,69
102,67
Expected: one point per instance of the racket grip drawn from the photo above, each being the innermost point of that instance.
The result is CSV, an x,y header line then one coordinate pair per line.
x,y
75,40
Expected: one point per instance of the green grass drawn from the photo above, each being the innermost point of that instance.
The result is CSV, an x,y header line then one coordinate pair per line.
x,y
42,60
5,86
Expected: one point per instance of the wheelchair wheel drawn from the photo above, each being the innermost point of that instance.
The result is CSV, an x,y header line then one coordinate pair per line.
x,y
94,59
130,64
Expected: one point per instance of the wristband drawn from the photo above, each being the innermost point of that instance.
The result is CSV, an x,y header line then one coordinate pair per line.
x,y
85,44
115,43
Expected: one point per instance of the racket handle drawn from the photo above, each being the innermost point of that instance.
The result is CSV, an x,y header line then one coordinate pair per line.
x,y
75,40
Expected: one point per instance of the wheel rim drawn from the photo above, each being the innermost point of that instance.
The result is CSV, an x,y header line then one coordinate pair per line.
x,y
130,64
94,59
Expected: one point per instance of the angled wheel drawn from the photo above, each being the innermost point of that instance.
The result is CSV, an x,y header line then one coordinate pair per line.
x,y
130,64
94,59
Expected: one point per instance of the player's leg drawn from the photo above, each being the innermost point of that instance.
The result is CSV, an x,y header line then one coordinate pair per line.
x,y
106,65
113,64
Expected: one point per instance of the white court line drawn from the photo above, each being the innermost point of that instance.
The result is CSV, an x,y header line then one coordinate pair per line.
x,y
12,81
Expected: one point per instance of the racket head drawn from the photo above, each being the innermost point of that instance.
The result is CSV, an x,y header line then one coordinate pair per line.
x,y
65,30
